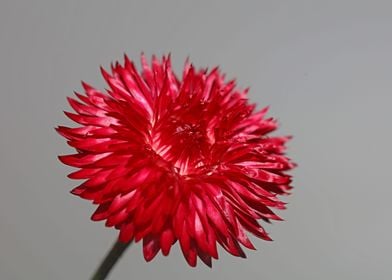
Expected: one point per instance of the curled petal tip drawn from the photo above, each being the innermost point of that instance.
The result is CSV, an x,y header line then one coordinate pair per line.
x,y
62,158
85,85
76,191
105,74
126,59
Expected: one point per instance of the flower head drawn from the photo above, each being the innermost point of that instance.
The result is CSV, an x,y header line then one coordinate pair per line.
x,y
169,158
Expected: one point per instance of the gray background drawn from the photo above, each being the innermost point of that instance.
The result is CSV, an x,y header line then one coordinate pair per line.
x,y
325,68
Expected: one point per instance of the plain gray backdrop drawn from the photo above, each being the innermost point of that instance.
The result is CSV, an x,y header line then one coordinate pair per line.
x,y
324,67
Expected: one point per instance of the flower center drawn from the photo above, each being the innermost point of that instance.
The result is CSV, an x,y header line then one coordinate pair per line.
x,y
182,144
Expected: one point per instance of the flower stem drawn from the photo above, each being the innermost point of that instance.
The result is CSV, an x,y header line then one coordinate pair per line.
x,y
110,260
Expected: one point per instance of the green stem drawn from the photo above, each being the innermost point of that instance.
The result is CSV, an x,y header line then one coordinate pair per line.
x,y
110,260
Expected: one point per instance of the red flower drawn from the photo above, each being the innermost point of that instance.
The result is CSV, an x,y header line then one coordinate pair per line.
x,y
170,159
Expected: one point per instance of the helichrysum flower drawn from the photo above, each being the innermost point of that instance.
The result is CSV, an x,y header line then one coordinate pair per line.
x,y
177,159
